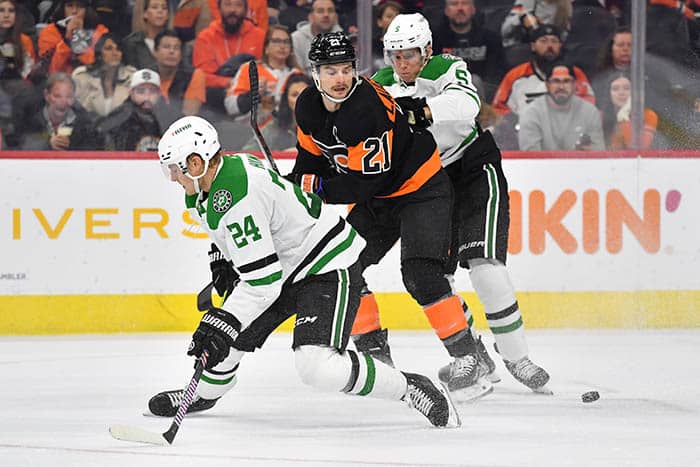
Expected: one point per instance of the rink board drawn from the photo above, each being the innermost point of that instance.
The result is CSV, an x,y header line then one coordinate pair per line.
x,y
100,243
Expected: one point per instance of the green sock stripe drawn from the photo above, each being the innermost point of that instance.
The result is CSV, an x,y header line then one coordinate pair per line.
x,y
371,375
470,321
209,380
341,310
508,328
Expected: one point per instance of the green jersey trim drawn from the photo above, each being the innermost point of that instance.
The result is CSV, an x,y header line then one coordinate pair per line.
x,y
437,66
229,187
385,76
191,201
325,259
274,277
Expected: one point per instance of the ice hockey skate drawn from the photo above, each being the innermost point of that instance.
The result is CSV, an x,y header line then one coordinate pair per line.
x,y
432,400
491,375
166,403
375,343
465,378
530,374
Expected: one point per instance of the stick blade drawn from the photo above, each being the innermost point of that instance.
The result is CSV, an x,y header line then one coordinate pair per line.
x,y
137,435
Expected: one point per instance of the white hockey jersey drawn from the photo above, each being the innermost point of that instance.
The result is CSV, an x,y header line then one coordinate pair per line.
x,y
447,85
274,233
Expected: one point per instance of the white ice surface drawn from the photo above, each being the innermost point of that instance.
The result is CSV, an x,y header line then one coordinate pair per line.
x,y
59,395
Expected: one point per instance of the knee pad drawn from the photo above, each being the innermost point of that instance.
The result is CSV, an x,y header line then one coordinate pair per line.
x,y
424,279
492,284
322,367
222,378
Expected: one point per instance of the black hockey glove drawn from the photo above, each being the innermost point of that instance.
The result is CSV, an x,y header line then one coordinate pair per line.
x,y
223,275
414,108
216,333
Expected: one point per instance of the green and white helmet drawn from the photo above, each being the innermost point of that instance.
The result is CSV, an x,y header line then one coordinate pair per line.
x,y
188,135
407,31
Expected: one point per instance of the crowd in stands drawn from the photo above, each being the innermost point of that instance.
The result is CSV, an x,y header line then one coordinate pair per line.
x,y
551,74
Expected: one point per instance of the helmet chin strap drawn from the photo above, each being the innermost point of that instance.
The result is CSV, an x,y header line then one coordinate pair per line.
x,y
197,188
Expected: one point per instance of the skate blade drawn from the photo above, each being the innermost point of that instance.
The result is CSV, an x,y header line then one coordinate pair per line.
x,y
544,390
481,388
453,421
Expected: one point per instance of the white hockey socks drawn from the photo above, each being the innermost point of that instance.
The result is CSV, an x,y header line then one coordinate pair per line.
x,y
220,379
495,290
326,368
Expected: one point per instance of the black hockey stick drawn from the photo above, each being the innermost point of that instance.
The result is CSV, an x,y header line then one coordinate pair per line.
x,y
130,433
255,99
204,302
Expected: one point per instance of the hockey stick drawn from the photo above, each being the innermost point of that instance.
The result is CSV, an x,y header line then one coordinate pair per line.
x,y
255,99
129,433
204,302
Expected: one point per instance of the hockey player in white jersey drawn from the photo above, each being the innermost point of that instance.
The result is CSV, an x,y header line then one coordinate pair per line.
x,y
292,257
438,94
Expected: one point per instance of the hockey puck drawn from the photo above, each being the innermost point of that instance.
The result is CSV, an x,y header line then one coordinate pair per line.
x,y
590,396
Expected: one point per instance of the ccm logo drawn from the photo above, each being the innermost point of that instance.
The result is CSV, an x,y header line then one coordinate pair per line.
x,y
305,320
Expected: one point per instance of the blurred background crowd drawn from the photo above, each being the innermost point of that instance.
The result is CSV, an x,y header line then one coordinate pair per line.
x,y
552,74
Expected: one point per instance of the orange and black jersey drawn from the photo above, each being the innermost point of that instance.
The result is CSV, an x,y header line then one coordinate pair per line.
x,y
365,149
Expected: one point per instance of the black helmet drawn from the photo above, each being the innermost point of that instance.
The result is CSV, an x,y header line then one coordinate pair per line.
x,y
331,47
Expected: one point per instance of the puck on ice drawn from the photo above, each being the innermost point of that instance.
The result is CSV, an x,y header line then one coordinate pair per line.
x,y
590,396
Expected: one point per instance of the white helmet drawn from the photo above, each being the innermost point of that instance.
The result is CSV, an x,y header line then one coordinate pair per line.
x,y
407,31
188,135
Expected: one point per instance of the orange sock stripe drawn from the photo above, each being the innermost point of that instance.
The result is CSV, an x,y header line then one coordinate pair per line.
x,y
367,319
446,317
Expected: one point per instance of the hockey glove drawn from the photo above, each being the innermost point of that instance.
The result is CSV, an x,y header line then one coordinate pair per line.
x,y
310,183
414,108
217,332
223,275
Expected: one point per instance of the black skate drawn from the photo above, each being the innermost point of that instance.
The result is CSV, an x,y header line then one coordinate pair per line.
x,y
375,343
531,375
491,375
431,400
166,403
465,378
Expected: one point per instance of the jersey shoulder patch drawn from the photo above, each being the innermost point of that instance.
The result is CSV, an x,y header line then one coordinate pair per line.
x,y
385,76
438,66
229,187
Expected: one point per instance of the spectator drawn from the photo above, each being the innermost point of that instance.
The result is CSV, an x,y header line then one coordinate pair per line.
x,y
466,38
54,120
70,39
322,18
219,48
527,80
103,85
386,12
296,14
280,133
17,55
616,118
277,64
190,17
115,15
560,121
257,12
668,35
525,17
591,23
181,87
139,45
614,57
136,124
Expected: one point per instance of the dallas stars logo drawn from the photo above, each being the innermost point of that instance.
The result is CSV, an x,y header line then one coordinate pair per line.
x,y
221,201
